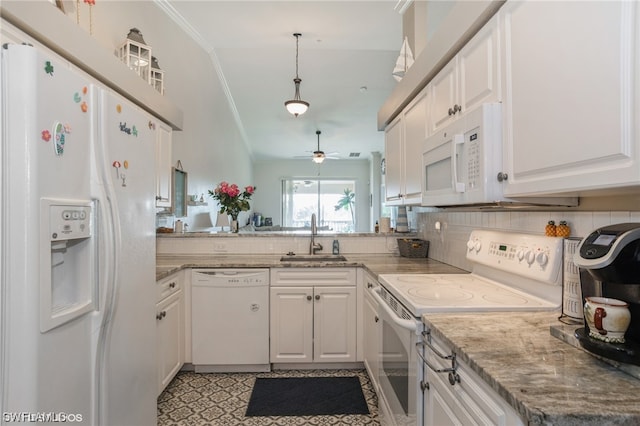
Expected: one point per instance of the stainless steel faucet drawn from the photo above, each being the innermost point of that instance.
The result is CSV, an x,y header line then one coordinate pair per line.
x,y
314,247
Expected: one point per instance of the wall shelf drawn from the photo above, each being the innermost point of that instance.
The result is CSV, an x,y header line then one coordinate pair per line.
x,y
197,203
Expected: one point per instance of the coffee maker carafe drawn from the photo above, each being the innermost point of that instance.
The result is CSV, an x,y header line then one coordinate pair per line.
x,y
609,261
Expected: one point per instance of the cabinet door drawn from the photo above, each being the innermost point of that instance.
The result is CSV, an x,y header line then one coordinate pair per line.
x,y
334,324
444,409
163,166
291,325
170,338
569,94
415,132
444,96
479,68
393,161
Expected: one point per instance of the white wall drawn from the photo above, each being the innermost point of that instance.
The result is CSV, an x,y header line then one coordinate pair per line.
x,y
210,146
268,175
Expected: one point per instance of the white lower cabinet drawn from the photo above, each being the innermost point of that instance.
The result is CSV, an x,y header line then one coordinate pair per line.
x,y
468,401
170,329
313,315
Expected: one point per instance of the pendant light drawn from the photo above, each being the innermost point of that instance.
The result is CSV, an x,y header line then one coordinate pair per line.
x,y
318,156
297,106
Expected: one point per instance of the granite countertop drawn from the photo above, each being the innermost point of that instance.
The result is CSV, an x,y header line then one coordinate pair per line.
x,y
375,264
546,380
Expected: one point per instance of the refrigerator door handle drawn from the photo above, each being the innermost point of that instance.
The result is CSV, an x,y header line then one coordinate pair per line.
x,y
111,244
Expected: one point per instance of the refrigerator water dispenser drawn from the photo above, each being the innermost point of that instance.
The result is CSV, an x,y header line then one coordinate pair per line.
x,y
68,261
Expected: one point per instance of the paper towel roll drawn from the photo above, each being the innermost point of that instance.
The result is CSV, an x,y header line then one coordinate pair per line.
x,y
385,224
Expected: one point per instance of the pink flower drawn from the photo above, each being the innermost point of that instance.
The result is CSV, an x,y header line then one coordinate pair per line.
x,y
231,199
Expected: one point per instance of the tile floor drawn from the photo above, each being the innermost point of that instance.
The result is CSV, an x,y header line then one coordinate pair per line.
x,y
220,399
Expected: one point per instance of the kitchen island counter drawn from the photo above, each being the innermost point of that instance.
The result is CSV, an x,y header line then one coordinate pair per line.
x,y
373,263
546,380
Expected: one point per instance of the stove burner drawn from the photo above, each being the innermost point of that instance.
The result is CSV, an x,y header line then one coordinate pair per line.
x,y
505,299
440,293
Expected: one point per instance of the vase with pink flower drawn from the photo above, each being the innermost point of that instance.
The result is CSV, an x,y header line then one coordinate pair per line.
x,y
232,200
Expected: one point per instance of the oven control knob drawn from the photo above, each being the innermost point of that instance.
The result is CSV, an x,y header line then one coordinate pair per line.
x,y
470,245
474,245
520,254
542,258
530,257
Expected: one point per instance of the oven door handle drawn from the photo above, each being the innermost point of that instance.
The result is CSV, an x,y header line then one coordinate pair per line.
x,y
406,324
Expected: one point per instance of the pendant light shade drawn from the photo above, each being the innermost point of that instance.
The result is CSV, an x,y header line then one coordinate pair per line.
x,y
297,106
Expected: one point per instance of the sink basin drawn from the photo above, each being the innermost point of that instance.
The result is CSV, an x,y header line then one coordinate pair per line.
x,y
313,258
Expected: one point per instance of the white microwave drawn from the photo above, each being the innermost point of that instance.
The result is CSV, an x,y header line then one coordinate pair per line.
x,y
460,163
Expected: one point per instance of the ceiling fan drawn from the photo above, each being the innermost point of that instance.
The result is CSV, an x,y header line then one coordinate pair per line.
x,y
319,156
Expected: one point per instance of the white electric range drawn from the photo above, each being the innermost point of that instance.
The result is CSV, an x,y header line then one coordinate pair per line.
x,y
511,272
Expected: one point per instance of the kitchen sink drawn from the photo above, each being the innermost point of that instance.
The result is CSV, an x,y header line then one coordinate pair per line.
x,y
313,258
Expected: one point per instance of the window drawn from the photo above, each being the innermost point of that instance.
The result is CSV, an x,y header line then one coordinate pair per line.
x,y
332,200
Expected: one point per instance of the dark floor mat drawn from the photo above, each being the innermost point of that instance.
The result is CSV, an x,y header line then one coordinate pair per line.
x,y
307,396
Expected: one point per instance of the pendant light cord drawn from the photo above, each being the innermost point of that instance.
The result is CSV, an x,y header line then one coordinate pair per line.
x,y
297,35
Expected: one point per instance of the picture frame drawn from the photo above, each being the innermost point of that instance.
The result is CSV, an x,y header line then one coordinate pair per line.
x,y
179,181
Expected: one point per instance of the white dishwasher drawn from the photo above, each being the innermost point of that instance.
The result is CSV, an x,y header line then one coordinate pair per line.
x,y
230,320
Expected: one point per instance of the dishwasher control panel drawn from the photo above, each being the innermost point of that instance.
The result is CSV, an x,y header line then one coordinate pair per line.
x,y
231,277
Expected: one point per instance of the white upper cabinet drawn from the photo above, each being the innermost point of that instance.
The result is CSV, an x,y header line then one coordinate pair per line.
x,y
471,78
572,96
404,138
163,165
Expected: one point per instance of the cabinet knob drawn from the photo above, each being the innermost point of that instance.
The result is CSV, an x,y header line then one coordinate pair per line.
x,y
457,108
309,297
376,319
369,285
172,284
502,176
158,198
451,112
317,297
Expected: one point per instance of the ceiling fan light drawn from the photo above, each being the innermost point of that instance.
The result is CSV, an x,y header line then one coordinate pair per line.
x,y
318,158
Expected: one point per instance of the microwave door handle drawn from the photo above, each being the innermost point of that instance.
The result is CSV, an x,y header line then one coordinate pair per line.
x,y
458,139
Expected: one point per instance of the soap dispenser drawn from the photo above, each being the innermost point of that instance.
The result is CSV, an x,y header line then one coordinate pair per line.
x,y
336,247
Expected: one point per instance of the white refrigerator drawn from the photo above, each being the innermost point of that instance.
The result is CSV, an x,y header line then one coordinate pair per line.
x,y
77,302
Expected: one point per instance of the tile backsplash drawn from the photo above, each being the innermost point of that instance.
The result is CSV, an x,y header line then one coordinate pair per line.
x,y
446,244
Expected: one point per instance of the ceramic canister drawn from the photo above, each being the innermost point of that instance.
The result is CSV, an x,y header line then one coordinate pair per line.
x,y
385,225
402,224
608,319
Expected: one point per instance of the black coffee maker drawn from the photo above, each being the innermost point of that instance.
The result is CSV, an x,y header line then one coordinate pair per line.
x,y
609,262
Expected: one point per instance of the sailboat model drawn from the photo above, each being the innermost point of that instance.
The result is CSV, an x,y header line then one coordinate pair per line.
x,y
404,61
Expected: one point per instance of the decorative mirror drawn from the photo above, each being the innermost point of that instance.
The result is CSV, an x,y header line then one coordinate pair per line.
x,y
179,191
